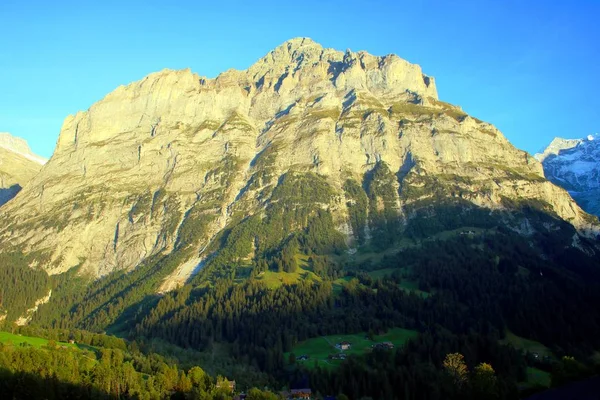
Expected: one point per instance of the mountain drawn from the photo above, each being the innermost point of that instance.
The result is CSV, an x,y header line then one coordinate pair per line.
x,y
574,164
17,166
169,162
318,196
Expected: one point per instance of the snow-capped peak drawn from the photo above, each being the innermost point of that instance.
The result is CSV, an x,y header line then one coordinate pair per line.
x,y
574,164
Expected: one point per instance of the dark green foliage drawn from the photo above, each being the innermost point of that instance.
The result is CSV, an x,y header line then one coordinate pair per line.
x,y
383,211
20,285
477,294
288,256
320,236
302,189
414,110
427,219
194,226
477,291
322,266
264,165
294,212
357,207
413,372
439,187
111,298
113,370
568,369
551,304
225,172
66,291
78,336
529,205
230,248
477,286
234,314
115,298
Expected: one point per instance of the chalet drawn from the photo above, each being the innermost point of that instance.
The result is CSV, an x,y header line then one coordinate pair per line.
x,y
300,394
343,345
338,356
383,346
303,357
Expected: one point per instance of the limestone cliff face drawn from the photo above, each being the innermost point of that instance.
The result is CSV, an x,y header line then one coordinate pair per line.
x,y
129,173
17,165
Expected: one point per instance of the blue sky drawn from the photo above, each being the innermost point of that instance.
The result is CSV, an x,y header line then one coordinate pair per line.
x,y
529,67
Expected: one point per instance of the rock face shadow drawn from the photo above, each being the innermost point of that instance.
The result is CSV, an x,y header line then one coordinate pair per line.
x,y
7,194
335,69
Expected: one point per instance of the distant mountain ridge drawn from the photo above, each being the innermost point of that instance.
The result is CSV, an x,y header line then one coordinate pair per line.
x,y
18,164
574,164
20,146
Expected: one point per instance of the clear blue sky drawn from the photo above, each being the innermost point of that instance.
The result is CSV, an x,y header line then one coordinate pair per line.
x,y
529,67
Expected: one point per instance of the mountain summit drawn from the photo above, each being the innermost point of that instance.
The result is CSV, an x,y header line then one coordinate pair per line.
x,y
18,165
19,146
574,164
306,140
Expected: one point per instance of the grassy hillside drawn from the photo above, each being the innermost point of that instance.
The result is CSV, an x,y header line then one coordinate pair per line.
x,y
537,377
319,349
6,337
274,279
527,345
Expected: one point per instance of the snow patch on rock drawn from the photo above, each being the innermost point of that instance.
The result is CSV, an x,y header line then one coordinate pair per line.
x,y
574,164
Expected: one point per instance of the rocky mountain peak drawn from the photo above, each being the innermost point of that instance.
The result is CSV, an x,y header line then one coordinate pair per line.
x,y
556,145
294,49
18,165
19,146
303,59
296,70
574,164
172,160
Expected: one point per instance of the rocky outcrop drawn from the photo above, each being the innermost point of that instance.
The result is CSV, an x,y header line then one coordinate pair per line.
x,y
17,166
164,164
574,164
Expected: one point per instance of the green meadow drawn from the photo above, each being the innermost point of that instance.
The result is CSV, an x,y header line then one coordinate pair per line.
x,y
537,377
6,337
526,344
275,279
318,349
